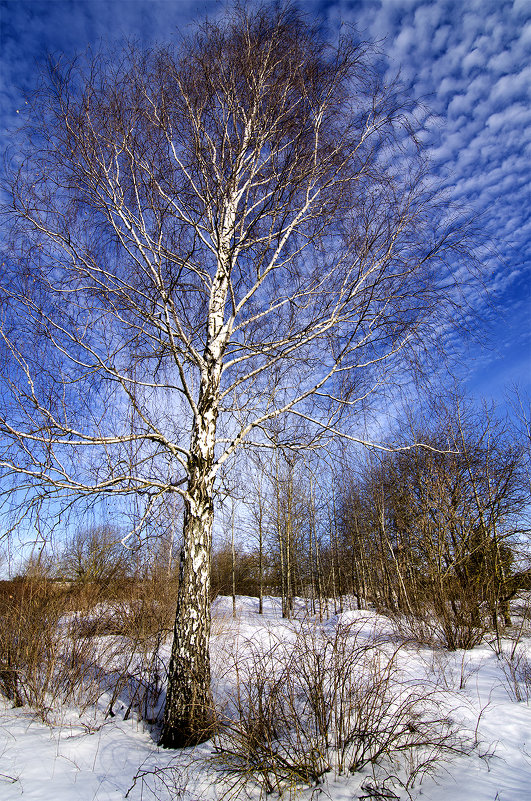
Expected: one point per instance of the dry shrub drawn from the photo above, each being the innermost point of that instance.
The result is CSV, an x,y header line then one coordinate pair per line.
x,y
514,652
42,664
516,666
449,623
140,610
51,656
144,622
30,641
331,701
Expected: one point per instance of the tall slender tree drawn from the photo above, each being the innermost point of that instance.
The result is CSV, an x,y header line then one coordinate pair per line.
x,y
202,240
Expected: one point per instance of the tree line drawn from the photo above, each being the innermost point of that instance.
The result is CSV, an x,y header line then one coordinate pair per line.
x,y
436,536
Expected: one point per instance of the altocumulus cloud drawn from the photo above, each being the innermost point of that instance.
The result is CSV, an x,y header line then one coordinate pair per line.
x,y
469,62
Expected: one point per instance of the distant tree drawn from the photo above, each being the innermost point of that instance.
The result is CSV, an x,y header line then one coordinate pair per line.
x,y
204,240
94,559
444,526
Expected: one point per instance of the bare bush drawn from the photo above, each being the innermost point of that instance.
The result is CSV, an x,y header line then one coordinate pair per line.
x,y
30,640
514,653
160,782
445,622
332,701
516,665
51,656
94,564
439,534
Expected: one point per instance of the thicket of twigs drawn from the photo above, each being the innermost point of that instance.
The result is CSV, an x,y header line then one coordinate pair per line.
x,y
330,701
83,646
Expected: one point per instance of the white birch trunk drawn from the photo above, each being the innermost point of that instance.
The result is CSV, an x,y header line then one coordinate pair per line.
x,y
189,715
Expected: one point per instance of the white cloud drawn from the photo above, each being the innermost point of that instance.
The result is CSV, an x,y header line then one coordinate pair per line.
x,y
473,59
508,87
517,115
525,36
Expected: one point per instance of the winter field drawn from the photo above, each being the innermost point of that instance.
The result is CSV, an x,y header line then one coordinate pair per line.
x,y
349,708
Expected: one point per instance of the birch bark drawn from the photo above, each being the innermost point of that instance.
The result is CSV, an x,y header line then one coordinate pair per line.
x,y
189,715
189,712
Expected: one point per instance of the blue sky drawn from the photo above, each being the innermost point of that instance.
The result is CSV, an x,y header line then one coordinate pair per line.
x,y
469,61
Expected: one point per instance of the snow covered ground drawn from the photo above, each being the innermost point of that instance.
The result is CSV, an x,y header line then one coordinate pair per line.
x,y
98,760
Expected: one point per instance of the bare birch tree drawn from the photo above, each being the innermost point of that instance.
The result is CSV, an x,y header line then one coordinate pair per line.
x,y
202,240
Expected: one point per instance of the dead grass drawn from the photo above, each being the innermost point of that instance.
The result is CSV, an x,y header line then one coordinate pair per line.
x,y
88,659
